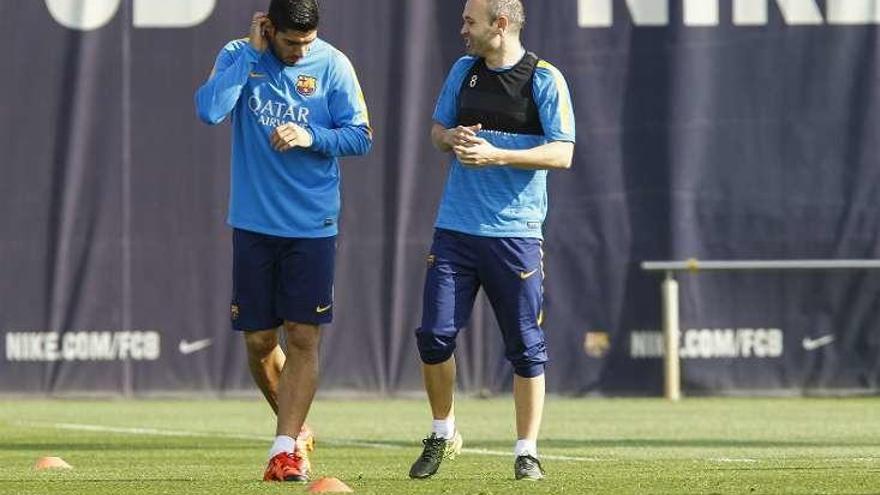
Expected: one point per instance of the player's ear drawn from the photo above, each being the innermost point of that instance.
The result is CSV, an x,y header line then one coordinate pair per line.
x,y
501,24
269,31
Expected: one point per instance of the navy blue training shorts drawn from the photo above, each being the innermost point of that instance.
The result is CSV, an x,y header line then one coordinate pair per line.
x,y
277,279
510,270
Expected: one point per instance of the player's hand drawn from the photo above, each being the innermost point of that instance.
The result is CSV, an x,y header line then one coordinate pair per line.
x,y
288,136
462,135
259,24
477,152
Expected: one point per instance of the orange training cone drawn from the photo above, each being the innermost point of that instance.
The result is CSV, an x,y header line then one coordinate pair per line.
x,y
51,463
329,485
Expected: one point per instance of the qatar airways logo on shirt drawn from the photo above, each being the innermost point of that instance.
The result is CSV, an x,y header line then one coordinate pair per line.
x,y
275,113
87,15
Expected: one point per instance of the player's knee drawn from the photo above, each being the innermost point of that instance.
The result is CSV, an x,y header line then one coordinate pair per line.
x,y
528,370
530,362
434,348
302,337
260,344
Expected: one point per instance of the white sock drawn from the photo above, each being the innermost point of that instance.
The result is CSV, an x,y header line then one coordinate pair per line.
x,y
283,443
526,447
444,428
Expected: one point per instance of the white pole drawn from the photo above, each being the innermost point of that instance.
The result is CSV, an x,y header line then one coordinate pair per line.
x,y
671,325
671,363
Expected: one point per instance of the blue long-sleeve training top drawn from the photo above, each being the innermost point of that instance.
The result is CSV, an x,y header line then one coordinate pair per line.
x,y
293,193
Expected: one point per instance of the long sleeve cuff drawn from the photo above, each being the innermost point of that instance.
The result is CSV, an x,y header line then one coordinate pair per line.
x,y
346,141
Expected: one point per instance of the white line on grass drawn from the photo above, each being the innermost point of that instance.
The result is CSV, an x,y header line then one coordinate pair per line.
x,y
543,456
141,431
126,430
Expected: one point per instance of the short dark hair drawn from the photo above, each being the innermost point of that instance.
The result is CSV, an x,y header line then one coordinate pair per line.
x,y
296,15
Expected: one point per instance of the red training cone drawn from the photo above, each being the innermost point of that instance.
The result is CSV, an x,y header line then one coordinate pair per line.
x,y
329,485
51,463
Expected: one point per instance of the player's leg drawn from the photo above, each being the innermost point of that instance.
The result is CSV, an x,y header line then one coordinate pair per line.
x,y
439,380
299,378
254,283
253,313
450,288
265,361
255,280
304,299
513,280
289,459
528,396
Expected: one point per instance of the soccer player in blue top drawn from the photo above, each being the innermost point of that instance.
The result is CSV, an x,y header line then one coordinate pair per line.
x,y
295,106
506,118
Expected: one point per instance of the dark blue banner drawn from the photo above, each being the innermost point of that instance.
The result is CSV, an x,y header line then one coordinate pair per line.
x,y
731,129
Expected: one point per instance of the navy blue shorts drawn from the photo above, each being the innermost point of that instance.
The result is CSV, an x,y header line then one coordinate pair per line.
x,y
277,279
510,270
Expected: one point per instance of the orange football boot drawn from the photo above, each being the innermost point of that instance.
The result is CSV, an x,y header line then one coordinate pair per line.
x,y
287,466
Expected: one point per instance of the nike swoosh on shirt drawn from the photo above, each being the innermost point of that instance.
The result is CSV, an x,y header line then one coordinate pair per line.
x,y
256,74
525,275
195,346
323,309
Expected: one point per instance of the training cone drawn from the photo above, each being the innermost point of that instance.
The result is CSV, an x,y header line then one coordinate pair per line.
x,y
329,485
51,463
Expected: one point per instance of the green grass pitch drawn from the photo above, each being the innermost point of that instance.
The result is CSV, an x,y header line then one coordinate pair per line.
x,y
710,446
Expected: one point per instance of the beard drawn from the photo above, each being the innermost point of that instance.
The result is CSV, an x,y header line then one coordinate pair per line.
x,y
472,48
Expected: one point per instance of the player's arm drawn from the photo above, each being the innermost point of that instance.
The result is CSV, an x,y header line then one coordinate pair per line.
x,y
556,155
350,133
218,96
445,139
441,138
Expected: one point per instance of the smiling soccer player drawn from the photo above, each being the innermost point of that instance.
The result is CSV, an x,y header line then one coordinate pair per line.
x,y
505,118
